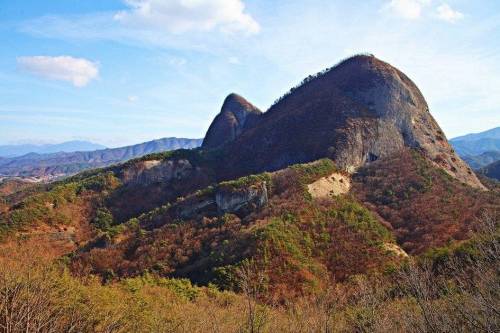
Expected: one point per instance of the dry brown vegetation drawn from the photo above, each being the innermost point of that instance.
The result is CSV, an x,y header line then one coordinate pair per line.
x,y
457,292
297,265
424,206
299,243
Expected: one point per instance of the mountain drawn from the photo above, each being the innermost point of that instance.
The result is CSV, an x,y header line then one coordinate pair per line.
x,y
478,161
344,181
493,133
359,111
477,143
48,166
70,146
476,147
491,170
236,115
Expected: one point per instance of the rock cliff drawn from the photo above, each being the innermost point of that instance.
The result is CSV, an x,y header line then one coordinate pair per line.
x,y
236,115
360,110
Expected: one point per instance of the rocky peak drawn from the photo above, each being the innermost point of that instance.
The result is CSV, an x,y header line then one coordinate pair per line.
x,y
236,115
354,113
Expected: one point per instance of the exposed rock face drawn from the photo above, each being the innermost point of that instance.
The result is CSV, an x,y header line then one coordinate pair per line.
x,y
236,115
359,111
250,198
192,207
240,201
153,171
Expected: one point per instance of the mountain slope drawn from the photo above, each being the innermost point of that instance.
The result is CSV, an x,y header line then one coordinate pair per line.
x,y
491,170
299,243
493,133
477,143
49,166
481,160
70,146
381,183
476,147
356,112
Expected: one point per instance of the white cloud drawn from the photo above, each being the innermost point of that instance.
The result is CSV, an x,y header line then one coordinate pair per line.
x,y
446,13
408,9
78,71
177,61
234,60
132,99
177,16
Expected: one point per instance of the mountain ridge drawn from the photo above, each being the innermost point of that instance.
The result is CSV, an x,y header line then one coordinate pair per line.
x,y
491,170
50,166
478,149
354,112
493,133
349,174
478,161
68,146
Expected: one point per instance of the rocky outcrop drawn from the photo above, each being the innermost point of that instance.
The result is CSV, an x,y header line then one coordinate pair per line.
x,y
221,200
155,171
354,113
244,199
191,207
236,115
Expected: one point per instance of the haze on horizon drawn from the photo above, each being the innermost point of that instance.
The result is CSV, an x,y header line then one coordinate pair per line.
x,y
122,72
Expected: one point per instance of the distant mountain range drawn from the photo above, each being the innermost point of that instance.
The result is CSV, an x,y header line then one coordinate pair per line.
x,y
493,133
479,150
60,164
492,170
49,161
477,143
478,161
70,146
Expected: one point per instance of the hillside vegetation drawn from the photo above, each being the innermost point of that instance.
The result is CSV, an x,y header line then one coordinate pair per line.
x,y
300,244
343,208
450,290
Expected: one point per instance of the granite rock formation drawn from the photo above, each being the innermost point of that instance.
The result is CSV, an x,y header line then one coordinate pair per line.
x,y
236,115
354,113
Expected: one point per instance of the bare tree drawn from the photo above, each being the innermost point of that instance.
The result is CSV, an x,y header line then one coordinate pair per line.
x,y
251,282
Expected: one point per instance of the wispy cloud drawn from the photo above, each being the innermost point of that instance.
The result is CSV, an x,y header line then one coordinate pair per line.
x,y
408,9
234,60
78,71
132,98
416,9
176,61
446,13
178,16
455,66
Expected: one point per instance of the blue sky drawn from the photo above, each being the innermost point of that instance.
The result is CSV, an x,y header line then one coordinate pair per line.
x,y
121,72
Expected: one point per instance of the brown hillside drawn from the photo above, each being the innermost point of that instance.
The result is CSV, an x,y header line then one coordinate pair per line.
x,y
300,243
424,206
